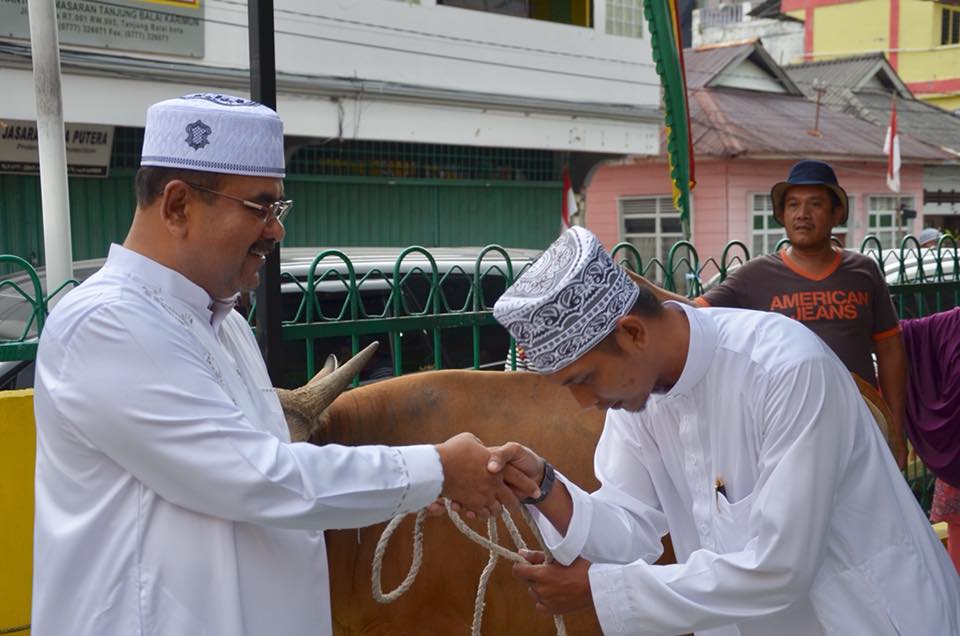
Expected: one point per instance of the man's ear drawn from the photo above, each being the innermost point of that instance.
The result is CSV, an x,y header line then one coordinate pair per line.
x,y
632,333
174,207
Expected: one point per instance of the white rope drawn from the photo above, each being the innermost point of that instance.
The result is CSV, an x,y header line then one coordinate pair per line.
x,y
390,597
490,542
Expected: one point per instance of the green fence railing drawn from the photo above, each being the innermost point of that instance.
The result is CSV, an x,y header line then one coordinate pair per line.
x,y
24,305
427,313
433,314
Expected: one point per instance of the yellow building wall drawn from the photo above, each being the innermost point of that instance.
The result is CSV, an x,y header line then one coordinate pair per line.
x,y
17,452
947,102
922,58
919,24
846,29
856,28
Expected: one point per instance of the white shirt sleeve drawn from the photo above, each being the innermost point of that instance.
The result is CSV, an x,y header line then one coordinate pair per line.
x,y
622,521
166,420
802,457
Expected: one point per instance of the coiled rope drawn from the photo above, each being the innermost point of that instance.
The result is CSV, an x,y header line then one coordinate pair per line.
x,y
490,542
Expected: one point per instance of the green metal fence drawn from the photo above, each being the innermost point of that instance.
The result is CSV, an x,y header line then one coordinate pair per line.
x,y
426,313
23,308
429,317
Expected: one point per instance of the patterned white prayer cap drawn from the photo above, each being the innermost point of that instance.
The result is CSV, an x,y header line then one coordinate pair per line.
x,y
214,133
566,302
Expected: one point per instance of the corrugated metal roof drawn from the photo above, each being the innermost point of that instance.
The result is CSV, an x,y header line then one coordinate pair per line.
x,y
771,9
844,73
731,122
707,65
916,118
845,76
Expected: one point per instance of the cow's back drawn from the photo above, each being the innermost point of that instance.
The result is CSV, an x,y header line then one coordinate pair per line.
x,y
431,407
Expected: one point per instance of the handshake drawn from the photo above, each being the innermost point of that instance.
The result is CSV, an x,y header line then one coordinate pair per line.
x,y
482,480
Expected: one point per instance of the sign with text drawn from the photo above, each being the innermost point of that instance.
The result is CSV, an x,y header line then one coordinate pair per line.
x,y
174,27
88,148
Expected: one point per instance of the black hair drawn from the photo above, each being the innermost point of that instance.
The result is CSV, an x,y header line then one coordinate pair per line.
x,y
645,306
151,180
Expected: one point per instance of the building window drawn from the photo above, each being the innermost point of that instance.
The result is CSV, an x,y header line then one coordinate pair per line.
x,y
883,219
950,25
766,231
652,225
625,17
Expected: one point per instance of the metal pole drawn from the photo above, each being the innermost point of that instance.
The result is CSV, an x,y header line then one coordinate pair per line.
x,y
51,142
263,88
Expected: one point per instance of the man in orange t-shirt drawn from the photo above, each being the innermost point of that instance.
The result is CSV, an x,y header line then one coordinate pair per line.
x,y
839,294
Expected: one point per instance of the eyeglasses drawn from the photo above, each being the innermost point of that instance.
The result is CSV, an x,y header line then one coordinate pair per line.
x,y
265,212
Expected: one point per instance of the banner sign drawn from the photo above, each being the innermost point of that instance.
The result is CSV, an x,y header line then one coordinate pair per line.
x,y
174,27
88,148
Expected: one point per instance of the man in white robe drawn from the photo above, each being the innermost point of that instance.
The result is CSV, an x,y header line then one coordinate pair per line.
x,y
169,498
742,435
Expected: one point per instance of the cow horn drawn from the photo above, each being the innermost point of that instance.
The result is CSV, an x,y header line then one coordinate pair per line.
x,y
329,366
303,407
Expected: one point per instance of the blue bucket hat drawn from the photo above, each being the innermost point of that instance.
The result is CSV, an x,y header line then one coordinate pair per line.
x,y
809,172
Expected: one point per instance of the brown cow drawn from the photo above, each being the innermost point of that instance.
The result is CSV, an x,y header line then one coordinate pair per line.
x,y
429,408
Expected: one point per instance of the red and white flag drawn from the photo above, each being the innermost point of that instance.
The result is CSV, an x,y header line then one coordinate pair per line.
x,y
569,199
891,148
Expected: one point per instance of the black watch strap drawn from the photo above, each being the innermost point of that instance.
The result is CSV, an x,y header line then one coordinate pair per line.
x,y
546,484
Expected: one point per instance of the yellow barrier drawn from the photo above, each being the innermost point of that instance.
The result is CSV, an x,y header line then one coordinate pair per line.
x,y
941,530
18,448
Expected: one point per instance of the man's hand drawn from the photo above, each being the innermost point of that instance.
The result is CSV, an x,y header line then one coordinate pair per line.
x,y
522,469
660,293
467,480
555,588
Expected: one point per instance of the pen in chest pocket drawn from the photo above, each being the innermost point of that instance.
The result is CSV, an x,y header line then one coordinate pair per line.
x,y
719,488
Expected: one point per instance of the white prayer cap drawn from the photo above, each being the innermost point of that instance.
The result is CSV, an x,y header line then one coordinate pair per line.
x,y
928,234
566,302
214,133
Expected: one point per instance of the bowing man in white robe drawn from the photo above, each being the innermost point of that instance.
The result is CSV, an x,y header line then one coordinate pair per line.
x,y
742,435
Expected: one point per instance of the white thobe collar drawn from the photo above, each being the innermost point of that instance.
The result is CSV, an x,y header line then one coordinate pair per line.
x,y
700,351
173,283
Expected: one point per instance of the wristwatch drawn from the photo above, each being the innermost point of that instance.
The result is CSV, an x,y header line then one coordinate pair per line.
x,y
546,484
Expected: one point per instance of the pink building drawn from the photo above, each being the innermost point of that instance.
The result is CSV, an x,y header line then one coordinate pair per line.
x,y
750,124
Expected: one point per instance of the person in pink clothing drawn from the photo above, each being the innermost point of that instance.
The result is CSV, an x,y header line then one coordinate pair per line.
x,y
946,508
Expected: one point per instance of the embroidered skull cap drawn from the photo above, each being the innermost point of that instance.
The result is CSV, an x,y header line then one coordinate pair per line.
x,y
566,302
211,132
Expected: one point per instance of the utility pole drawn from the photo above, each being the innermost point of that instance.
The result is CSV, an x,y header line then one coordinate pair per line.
x,y
51,143
263,89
